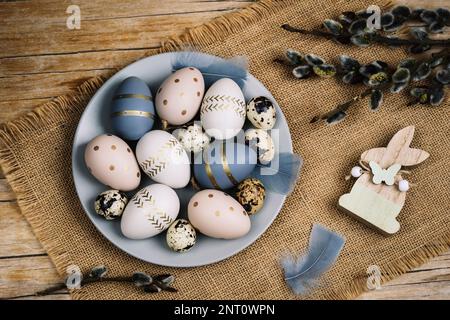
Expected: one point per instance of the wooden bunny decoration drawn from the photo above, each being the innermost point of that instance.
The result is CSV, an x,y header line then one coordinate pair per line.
x,y
375,199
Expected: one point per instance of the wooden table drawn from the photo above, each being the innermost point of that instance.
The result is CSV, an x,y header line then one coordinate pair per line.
x,y
40,58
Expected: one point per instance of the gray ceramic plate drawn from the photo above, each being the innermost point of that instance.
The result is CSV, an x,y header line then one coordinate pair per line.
x,y
95,120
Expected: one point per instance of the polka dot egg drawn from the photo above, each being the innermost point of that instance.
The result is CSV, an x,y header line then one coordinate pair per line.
x,y
261,113
111,161
110,204
216,214
179,97
181,236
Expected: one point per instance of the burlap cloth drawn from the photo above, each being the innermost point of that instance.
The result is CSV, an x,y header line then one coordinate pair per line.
x,y
35,156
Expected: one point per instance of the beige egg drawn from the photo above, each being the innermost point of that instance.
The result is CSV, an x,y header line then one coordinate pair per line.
x,y
111,161
180,95
151,211
216,214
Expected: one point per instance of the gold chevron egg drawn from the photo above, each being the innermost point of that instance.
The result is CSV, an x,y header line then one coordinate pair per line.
x,y
223,112
163,159
151,211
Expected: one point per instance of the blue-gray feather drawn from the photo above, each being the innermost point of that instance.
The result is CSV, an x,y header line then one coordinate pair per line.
x,y
303,273
281,174
213,68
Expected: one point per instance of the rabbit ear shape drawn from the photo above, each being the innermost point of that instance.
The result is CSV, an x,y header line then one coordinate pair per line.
x,y
394,152
414,156
402,139
398,150
375,154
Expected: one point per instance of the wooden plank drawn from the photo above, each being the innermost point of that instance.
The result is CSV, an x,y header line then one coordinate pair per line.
x,y
429,281
17,237
96,35
24,276
60,63
19,277
60,296
54,11
6,194
10,110
40,86
423,291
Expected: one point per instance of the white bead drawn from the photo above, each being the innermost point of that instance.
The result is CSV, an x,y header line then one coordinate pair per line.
x,y
403,185
356,172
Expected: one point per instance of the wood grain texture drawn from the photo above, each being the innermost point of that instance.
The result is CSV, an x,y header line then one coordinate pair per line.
x,y
378,203
40,59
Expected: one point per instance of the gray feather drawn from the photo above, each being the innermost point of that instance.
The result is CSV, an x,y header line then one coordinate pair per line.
x,y
303,273
281,174
213,68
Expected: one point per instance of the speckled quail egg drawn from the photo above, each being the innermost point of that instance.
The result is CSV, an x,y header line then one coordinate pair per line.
x,y
193,139
110,204
181,236
261,113
251,195
262,142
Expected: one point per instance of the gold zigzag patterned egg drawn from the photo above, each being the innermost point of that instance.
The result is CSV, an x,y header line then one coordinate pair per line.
x,y
151,211
163,159
223,109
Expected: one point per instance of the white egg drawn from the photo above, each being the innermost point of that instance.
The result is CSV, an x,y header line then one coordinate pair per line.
x,y
151,211
163,159
181,236
223,109
180,95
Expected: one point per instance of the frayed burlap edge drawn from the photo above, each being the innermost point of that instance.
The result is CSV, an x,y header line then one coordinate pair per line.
x,y
54,111
50,113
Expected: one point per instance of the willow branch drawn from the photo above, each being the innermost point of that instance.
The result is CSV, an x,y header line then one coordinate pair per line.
x,y
375,38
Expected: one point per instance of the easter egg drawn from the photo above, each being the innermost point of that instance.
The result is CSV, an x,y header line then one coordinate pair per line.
x,y
151,211
216,214
132,110
163,159
251,194
223,109
110,160
181,236
193,139
224,164
261,113
110,204
262,142
180,95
